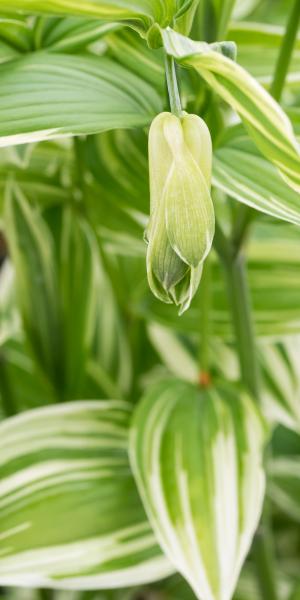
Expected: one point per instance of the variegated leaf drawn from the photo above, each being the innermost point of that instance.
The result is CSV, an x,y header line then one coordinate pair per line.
x,y
140,14
70,513
266,122
197,458
284,484
55,285
281,389
47,95
242,172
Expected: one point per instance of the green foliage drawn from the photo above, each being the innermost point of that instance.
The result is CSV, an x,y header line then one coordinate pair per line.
x,y
146,455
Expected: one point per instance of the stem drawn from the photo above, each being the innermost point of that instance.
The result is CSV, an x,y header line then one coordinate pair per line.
x,y
205,304
8,403
172,84
263,558
243,220
286,50
239,299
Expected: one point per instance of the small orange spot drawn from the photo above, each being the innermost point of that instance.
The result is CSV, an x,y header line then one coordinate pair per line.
x,y
204,379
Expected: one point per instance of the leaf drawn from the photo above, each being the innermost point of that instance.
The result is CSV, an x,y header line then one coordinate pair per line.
x,y
255,39
281,390
273,260
9,317
212,19
173,353
267,124
132,52
142,14
70,513
32,254
22,384
71,33
243,173
284,485
111,346
77,264
52,95
55,288
197,459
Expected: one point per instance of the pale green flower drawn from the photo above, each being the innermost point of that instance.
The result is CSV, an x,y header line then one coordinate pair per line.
x,y
182,222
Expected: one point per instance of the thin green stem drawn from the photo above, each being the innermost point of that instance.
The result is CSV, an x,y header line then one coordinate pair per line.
x,y
244,218
264,563
8,402
205,324
239,298
172,84
240,306
286,50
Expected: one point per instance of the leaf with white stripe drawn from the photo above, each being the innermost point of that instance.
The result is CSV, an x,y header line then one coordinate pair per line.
x,y
70,514
197,458
281,381
266,122
47,95
243,173
284,485
55,285
255,39
142,14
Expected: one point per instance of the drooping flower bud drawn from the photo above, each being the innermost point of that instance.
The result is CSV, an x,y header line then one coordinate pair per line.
x,y
181,226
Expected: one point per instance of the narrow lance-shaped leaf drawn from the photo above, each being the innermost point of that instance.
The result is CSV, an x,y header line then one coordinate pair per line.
x,y
240,170
55,279
77,263
52,95
32,251
255,39
142,15
70,513
266,122
197,459
284,484
281,381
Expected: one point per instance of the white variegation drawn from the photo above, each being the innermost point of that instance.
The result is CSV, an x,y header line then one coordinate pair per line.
x,y
284,484
61,95
243,173
281,381
197,459
266,122
70,514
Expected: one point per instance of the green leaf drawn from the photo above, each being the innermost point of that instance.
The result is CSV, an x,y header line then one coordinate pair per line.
x,y
281,389
70,513
9,317
267,124
273,259
256,39
22,384
77,264
72,33
111,349
142,14
284,485
132,52
51,95
55,288
197,459
32,252
243,173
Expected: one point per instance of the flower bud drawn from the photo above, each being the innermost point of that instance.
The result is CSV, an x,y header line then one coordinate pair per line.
x,y
181,226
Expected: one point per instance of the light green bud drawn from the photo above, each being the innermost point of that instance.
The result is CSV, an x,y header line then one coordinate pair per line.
x,y
182,222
